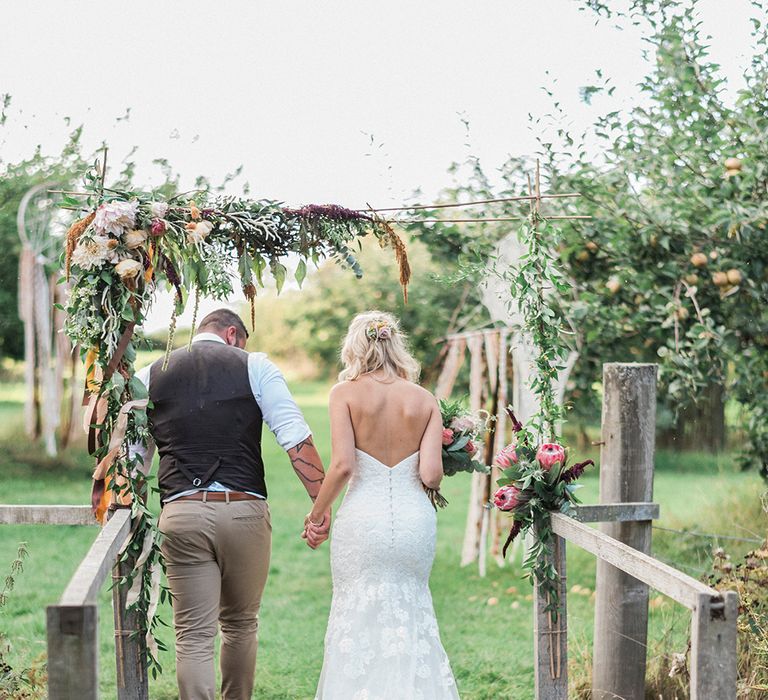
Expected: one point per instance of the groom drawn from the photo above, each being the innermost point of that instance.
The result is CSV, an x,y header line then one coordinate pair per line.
x,y
207,411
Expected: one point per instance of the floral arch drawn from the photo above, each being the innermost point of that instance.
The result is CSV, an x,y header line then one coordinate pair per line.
x,y
126,246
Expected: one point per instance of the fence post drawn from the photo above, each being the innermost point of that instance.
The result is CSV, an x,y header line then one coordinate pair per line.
x,y
130,647
713,647
73,652
550,637
626,475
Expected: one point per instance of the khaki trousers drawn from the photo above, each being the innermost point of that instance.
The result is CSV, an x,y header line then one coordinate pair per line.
x,y
217,560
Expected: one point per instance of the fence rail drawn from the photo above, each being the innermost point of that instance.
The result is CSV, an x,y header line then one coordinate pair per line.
x,y
46,515
73,623
682,588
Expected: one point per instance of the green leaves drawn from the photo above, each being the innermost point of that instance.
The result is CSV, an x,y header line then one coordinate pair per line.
x,y
279,272
301,272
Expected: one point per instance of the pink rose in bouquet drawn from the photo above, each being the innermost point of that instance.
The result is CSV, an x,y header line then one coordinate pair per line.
x,y
506,498
447,436
470,447
506,457
158,227
549,454
464,424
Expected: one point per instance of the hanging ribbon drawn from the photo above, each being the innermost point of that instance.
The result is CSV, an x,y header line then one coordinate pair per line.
x,y
92,410
102,496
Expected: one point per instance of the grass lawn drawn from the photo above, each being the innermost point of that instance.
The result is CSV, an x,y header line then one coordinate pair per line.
x,y
486,624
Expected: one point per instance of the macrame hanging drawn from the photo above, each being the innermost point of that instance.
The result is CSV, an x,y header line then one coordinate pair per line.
x,y
49,363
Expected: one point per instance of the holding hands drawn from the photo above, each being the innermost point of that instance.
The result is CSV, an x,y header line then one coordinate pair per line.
x,y
315,533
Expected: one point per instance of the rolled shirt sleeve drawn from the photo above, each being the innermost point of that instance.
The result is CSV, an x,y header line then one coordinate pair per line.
x,y
279,410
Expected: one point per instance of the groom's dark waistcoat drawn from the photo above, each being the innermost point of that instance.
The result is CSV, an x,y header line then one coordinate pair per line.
x,y
205,420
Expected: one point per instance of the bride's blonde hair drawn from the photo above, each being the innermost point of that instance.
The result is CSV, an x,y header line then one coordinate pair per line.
x,y
374,342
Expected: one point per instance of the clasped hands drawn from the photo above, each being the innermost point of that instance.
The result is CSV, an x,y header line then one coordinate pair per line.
x,y
316,533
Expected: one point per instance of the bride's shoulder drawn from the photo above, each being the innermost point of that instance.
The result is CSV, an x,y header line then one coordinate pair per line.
x,y
420,391
340,390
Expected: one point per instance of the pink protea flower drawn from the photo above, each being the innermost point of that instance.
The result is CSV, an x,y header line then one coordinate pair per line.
x,y
470,447
506,457
507,497
549,454
447,436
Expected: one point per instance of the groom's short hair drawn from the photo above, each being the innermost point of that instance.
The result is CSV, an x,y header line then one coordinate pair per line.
x,y
221,319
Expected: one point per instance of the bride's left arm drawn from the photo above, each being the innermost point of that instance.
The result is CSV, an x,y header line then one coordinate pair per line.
x,y
342,460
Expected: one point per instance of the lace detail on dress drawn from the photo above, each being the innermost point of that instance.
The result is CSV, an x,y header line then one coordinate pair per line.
x,y
382,641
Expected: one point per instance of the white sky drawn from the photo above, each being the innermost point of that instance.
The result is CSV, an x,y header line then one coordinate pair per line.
x,y
346,101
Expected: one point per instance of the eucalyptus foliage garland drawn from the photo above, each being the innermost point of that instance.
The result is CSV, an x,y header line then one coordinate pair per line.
x,y
128,245
533,284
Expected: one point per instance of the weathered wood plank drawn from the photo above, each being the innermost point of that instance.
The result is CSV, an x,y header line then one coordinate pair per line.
x,y
617,512
94,568
671,582
73,652
550,636
46,515
130,648
628,433
713,647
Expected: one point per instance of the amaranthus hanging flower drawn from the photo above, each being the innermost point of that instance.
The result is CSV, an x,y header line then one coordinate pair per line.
x,y
575,471
115,217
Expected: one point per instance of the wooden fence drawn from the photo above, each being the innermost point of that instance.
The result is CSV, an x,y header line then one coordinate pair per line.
x,y
625,571
72,624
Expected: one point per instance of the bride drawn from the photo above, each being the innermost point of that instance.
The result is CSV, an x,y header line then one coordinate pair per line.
x,y
382,641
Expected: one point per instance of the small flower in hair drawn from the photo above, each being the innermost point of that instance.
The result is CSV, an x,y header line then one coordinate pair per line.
x,y
379,331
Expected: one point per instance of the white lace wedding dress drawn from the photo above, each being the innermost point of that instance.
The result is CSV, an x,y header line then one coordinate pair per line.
x,y
382,641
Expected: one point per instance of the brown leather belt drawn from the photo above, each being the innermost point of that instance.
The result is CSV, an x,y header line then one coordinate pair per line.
x,y
218,496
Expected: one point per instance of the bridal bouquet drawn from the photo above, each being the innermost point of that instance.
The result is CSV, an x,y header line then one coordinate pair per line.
x,y
535,480
462,433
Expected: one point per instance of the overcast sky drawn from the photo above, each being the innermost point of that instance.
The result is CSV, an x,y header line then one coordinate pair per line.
x,y
348,101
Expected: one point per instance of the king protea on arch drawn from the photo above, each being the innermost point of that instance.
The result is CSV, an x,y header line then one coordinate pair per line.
x,y
535,479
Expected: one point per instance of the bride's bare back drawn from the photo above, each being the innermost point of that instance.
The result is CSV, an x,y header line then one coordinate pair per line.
x,y
389,419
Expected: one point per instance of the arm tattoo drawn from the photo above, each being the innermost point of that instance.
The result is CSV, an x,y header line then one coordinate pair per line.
x,y
309,469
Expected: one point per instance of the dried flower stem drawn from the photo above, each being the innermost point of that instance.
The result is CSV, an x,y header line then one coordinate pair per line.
x,y
169,344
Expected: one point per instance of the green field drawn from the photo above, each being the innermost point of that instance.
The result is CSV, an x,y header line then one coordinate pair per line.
x,y
486,624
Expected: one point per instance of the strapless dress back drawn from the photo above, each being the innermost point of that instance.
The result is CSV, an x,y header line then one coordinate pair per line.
x,y
382,641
